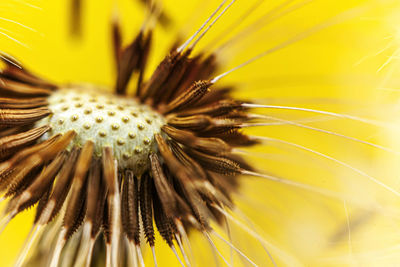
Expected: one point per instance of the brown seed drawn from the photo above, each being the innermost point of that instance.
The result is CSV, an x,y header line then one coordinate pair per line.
x,y
146,208
216,164
36,160
93,190
160,75
14,117
10,144
72,216
196,91
41,183
15,103
164,189
192,123
214,146
9,87
130,207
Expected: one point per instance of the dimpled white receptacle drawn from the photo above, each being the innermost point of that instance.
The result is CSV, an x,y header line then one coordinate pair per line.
x,y
106,120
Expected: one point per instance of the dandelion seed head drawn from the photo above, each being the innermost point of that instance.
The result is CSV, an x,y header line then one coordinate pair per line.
x,y
178,172
106,120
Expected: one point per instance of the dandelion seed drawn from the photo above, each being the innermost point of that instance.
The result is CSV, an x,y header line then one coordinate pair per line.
x,y
158,164
108,170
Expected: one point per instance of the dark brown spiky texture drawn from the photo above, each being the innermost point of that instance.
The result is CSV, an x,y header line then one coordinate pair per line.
x,y
191,172
75,209
130,207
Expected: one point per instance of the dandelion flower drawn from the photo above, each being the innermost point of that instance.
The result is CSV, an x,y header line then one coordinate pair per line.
x,y
160,155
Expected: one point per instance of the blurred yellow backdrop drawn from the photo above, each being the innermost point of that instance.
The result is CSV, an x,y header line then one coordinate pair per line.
x,y
335,69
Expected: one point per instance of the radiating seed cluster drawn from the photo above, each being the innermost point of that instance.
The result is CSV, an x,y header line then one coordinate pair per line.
x,y
107,120
176,169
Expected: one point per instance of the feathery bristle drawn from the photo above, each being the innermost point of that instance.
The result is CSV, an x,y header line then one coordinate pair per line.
x,y
115,165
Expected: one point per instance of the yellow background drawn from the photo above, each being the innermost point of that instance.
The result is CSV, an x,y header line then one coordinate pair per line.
x,y
335,69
